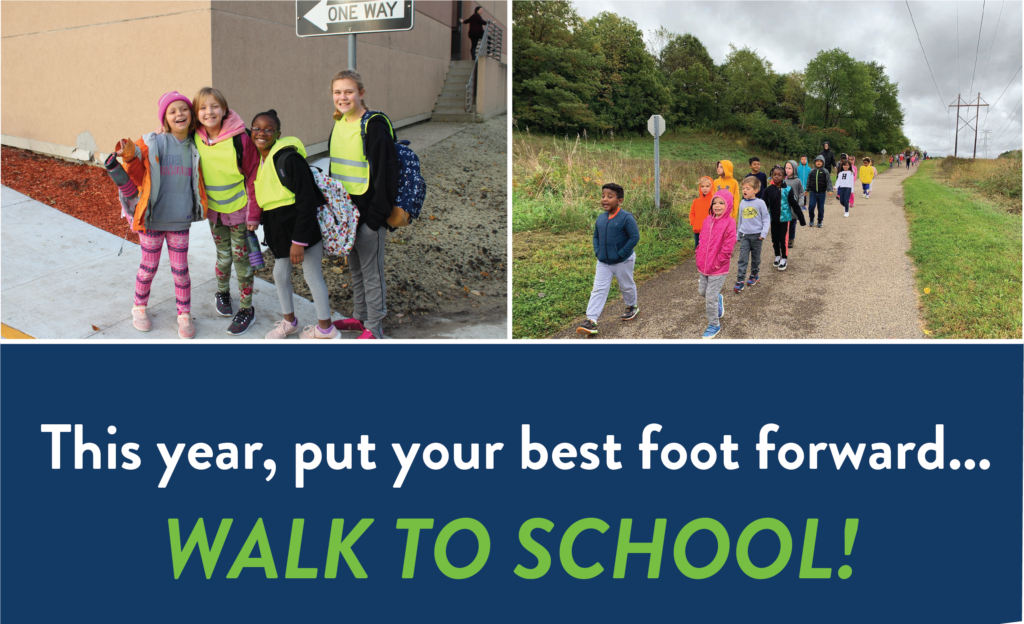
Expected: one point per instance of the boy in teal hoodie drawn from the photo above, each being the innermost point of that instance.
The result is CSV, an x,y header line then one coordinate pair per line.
x,y
802,172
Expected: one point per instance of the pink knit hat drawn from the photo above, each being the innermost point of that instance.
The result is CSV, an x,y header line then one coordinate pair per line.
x,y
166,100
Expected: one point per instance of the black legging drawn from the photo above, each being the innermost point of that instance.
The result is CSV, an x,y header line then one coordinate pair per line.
x,y
779,231
474,42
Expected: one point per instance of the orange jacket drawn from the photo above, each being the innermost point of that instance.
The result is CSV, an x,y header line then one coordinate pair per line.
x,y
728,183
138,169
701,206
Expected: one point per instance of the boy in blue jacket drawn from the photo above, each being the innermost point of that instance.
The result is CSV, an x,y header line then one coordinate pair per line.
x,y
615,236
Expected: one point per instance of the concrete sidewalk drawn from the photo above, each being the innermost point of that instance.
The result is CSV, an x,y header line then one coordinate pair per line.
x,y
61,278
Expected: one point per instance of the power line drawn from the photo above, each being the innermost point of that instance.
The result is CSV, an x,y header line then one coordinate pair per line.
x,y
978,47
1004,90
942,102
958,46
994,32
1016,106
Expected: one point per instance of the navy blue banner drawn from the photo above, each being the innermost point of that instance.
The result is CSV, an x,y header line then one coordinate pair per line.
x,y
704,534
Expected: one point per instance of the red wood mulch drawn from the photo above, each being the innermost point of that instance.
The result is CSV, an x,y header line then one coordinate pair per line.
x,y
83,191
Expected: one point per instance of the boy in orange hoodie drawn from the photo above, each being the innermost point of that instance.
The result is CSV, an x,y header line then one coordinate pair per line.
x,y
726,182
700,208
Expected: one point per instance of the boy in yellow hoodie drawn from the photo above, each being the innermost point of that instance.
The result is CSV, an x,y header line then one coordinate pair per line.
x,y
867,174
726,182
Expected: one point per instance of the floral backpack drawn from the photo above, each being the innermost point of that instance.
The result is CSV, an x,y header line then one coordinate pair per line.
x,y
338,218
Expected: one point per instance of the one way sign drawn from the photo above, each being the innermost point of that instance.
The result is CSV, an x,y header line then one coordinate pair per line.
x,y
334,17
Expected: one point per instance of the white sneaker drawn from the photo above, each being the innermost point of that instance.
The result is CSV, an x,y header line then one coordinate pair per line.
x,y
782,265
283,329
778,259
846,214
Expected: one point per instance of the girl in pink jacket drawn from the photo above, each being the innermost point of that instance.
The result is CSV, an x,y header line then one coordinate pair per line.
x,y
717,240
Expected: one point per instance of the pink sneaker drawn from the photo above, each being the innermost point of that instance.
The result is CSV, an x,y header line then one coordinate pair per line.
x,y
140,320
185,327
312,332
366,335
349,324
283,329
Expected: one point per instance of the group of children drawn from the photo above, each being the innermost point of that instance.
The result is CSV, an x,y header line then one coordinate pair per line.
x,y
203,163
724,214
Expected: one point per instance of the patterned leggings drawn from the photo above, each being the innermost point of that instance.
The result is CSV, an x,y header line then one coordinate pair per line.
x,y
152,243
230,242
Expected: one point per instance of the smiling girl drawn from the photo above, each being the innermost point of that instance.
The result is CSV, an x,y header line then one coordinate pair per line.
x,y
717,240
230,161
164,165
369,171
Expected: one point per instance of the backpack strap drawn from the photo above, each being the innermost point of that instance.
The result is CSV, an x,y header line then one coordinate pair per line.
x,y
239,148
365,119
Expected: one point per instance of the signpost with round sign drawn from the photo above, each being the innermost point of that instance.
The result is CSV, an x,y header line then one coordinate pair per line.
x,y
656,126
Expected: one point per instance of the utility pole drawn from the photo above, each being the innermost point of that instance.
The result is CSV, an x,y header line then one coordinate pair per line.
x,y
966,122
985,136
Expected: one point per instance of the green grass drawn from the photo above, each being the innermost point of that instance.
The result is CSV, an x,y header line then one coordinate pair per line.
x,y
967,251
556,186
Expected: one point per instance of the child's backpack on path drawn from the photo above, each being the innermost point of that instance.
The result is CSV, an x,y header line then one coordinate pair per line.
x,y
338,218
412,188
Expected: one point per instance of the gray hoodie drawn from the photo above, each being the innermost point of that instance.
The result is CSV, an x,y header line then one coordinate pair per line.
x,y
794,183
174,200
754,218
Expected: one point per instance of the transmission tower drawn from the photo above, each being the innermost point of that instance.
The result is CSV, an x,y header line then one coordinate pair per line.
x,y
985,136
962,122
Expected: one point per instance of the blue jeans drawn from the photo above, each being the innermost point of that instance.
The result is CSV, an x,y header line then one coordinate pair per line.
x,y
819,199
844,197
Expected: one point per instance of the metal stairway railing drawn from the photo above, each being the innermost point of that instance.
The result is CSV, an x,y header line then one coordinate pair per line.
x,y
489,46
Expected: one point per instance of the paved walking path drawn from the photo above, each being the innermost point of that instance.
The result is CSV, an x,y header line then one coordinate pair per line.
x,y
850,279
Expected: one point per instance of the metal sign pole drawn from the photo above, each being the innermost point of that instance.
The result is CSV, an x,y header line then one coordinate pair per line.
x,y
352,51
657,167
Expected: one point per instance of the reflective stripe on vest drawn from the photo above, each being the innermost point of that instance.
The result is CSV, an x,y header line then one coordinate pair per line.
x,y
348,165
270,193
225,185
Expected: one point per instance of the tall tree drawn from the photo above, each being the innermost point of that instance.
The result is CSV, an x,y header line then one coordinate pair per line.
x,y
691,76
749,81
838,91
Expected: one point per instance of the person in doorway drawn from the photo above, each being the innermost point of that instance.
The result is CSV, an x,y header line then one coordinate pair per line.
x,y
229,175
718,239
289,196
615,237
368,168
164,166
477,24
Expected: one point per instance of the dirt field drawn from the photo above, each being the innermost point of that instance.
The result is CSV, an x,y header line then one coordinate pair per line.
x,y
450,262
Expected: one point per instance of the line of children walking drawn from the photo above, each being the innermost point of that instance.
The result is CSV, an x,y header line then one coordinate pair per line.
x,y
213,170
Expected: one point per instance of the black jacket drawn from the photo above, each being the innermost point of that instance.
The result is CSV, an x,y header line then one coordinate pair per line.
x,y
773,199
817,180
830,159
476,26
375,204
295,222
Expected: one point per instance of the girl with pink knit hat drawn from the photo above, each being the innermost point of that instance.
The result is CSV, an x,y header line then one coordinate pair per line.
x,y
164,165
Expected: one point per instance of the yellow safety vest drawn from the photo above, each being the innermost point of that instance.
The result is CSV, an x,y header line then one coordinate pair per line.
x,y
225,184
270,193
348,162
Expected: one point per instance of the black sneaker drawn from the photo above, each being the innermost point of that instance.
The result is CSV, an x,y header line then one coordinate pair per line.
x,y
589,327
819,223
630,313
240,324
223,303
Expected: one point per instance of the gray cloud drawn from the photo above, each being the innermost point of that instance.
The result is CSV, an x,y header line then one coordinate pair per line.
x,y
789,34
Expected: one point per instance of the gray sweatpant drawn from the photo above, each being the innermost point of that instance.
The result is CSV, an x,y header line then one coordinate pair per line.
x,y
623,272
313,271
750,249
709,286
369,292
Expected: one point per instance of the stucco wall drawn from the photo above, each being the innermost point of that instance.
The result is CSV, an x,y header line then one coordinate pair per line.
x,y
84,74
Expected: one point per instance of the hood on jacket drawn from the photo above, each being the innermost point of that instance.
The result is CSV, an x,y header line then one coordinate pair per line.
x,y
795,165
819,157
725,195
726,167
232,125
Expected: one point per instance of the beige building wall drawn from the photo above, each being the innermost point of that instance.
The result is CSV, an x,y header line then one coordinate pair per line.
x,y
85,74
81,75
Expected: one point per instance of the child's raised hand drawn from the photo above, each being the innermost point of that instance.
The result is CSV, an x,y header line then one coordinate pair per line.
x,y
125,149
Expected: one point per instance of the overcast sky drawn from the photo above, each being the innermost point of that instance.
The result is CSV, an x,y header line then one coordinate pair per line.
x,y
789,34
